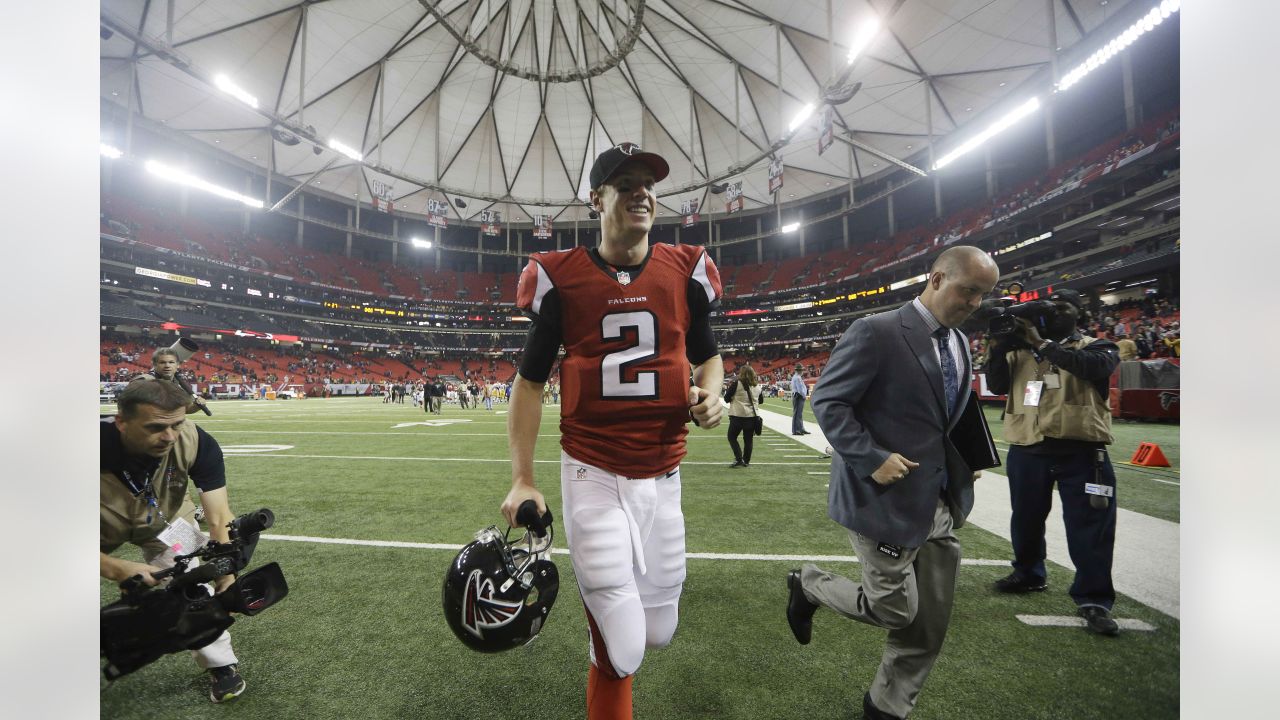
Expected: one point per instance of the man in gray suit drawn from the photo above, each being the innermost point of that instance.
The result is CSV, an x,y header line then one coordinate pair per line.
x,y
894,387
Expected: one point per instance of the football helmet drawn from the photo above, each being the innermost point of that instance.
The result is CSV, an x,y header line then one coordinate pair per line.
x,y
497,594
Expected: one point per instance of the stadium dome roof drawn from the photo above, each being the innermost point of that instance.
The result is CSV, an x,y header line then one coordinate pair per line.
x,y
508,101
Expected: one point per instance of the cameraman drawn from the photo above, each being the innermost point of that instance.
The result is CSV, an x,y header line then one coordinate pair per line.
x,y
164,366
148,452
1058,423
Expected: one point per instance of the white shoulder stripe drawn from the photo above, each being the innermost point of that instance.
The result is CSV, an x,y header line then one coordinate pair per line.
x,y
544,286
700,274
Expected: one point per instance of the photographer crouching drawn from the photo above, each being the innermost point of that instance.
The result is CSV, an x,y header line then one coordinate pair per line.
x,y
1058,423
148,453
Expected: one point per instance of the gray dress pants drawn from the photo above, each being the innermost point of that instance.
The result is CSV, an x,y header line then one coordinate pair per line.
x,y
910,595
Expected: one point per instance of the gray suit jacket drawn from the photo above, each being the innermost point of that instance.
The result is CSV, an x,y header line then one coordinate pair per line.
x,y
881,392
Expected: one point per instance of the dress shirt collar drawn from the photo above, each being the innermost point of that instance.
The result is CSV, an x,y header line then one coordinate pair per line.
x,y
929,320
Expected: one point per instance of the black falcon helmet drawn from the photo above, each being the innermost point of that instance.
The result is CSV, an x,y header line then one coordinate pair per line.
x,y
497,594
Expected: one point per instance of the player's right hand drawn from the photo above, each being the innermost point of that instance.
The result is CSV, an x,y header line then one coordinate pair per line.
x,y
519,493
893,469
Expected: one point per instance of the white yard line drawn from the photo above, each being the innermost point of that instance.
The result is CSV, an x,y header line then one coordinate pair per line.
x,y
1145,564
563,551
458,459
1072,621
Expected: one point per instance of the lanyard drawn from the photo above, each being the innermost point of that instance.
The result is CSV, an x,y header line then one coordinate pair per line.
x,y
148,492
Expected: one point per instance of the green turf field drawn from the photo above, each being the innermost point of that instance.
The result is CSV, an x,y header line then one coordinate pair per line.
x,y
361,634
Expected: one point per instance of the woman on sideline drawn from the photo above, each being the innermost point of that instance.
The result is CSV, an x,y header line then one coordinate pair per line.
x,y
743,396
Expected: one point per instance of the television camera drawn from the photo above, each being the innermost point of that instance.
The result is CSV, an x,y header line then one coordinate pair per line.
x,y
148,623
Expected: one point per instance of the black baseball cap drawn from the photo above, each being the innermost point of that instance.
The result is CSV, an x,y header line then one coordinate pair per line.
x,y
1068,295
608,162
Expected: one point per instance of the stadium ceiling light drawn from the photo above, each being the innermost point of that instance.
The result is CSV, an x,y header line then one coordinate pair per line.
x,y
996,128
866,33
184,178
791,227
803,115
419,242
108,151
345,150
223,83
1154,17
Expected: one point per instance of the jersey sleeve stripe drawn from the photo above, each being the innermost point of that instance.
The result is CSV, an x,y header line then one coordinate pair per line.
x,y
700,274
544,286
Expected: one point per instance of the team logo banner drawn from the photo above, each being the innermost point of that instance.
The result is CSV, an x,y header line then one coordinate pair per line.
x,y
436,211
381,195
542,226
689,209
775,175
491,222
733,197
826,128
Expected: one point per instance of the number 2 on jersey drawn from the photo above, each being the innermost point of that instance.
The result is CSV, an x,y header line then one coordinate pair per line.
x,y
614,327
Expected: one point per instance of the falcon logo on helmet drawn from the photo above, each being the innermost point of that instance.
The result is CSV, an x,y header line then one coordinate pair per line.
x,y
480,610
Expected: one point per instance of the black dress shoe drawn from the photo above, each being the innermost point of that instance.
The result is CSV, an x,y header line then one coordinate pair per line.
x,y
1098,621
799,610
871,712
1018,583
737,463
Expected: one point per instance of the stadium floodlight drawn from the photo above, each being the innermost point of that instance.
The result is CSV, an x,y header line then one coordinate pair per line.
x,y
419,242
861,39
184,178
223,83
801,116
345,150
108,151
996,128
791,227
1146,23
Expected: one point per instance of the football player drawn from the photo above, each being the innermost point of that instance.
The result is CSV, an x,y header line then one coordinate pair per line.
x,y
633,318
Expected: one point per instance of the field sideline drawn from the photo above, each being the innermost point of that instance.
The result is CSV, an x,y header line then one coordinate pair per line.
x,y
371,501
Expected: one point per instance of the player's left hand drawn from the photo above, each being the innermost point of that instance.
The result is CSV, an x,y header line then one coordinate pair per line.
x,y
705,407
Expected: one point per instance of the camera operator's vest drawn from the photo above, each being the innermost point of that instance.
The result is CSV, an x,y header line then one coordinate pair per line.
x,y
1075,411
123,517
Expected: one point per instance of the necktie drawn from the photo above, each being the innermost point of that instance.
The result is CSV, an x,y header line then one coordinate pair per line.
x,y
950,381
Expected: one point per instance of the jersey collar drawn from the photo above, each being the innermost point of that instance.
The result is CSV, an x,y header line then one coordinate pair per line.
x,y
615,271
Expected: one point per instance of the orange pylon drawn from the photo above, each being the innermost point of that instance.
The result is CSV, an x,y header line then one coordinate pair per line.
x,y
1149,455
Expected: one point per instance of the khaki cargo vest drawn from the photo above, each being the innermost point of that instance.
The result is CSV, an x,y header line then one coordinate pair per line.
x,y
1074,411
123,517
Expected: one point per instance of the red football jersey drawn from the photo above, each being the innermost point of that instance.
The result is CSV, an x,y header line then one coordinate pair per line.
x,y
624,378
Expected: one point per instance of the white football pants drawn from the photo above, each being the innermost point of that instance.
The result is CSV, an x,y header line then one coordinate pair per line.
x,y
626,542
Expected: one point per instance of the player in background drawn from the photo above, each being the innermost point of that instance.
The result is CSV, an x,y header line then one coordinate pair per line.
x,y
634,319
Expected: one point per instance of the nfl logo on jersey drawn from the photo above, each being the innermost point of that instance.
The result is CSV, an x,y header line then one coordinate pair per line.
x,y
624,278
582,473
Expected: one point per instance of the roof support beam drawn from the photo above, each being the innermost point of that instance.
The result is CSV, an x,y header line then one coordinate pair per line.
x,y
304,183
844,138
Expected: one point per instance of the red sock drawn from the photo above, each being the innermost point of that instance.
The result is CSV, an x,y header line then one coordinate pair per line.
x,y
608,698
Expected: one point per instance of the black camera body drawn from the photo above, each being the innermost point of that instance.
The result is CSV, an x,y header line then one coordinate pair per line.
x,y
998,316
1039,313
147,623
